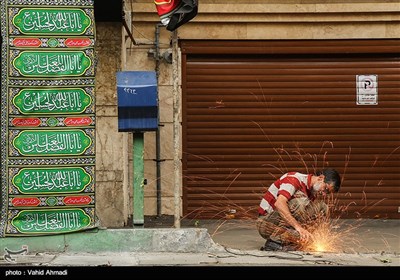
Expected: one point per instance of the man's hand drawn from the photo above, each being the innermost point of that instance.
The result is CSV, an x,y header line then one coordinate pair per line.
x,y
305,235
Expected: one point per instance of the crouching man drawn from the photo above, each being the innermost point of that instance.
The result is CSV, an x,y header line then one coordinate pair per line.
x,y
290,206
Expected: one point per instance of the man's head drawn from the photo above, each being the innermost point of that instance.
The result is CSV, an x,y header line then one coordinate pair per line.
x,y
328,181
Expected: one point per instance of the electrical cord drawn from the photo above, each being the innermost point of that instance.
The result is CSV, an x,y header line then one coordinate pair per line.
x,y
290,255
283,255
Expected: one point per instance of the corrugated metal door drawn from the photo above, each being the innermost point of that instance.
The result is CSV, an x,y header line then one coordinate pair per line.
x,y
255,110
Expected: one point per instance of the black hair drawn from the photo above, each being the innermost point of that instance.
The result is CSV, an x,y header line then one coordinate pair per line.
x,y
331,177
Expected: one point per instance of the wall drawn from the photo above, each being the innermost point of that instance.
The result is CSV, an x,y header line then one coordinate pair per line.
x,y
111,196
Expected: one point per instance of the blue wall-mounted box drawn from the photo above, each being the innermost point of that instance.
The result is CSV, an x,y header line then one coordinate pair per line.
x,y
137,101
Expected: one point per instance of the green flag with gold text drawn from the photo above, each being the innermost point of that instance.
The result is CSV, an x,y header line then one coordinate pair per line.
x,y
47,117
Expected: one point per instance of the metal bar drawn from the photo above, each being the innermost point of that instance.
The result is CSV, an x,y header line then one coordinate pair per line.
x,y
158,140
127,28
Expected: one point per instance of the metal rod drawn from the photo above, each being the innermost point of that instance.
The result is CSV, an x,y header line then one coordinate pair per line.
x,y
158,145
127,28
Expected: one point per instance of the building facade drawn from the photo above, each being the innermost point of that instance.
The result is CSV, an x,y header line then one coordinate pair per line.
x,y
247,91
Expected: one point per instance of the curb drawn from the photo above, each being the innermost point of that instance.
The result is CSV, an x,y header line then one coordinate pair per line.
x,y
187,240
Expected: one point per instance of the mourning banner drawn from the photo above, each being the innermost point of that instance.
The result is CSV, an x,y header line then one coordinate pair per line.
x,y
47,117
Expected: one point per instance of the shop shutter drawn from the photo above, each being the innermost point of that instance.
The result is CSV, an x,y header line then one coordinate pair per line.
x,y
255,110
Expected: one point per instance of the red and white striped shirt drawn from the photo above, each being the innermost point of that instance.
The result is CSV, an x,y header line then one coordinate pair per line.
x,y
287,185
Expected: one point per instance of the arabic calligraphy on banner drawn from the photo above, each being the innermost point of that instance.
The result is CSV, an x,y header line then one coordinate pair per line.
x,y
51,63
51,180
51,21
52,101
47,117
51,142
42,221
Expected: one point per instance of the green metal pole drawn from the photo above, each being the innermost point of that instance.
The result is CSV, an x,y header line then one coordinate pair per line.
x,y
138,180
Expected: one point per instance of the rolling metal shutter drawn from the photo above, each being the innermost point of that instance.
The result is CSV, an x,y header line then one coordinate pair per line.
x,y
255,110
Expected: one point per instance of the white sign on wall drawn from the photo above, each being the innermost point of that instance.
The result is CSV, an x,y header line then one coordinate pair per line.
x,y
367,89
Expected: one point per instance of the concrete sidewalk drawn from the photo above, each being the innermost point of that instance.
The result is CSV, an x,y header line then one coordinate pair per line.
x,y
228,257
200,243
350,236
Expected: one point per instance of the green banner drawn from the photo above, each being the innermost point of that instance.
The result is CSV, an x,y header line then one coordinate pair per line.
x,y
50,221
52,142
52,101
48,117
51,21
52,63
51,180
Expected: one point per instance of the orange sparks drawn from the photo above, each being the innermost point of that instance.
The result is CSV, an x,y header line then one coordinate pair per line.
x,y
325,238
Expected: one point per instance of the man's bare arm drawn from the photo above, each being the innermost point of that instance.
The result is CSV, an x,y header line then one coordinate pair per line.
x,y
281,205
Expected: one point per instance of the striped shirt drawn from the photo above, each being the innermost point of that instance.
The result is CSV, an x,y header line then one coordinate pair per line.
x,y
287,185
